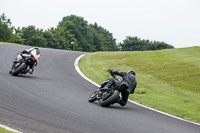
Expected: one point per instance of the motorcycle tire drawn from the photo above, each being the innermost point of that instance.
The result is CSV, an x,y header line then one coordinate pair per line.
x,y
112,99
92,98
19,69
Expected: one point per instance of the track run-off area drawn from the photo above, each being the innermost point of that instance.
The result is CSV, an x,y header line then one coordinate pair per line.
x,y
55,100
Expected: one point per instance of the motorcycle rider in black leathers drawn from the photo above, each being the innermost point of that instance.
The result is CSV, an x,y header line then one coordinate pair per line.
x,y
128,78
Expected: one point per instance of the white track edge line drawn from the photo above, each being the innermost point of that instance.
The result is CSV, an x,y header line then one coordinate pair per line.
x,y
10,129
79,71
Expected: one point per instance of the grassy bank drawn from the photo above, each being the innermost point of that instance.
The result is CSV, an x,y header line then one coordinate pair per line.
x,y
168,80
2,130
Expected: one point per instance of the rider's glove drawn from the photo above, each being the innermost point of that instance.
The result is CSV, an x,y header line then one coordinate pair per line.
x,y
109,70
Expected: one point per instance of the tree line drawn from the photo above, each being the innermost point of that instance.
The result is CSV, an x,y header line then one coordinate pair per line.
x,y
74,33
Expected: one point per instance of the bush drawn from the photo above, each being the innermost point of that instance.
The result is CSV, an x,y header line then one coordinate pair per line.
x,y
17,39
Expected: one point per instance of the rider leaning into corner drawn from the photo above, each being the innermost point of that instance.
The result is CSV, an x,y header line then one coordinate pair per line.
x,y
128,78
34,53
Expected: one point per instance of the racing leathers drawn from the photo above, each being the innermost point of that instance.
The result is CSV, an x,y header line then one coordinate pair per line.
x,y
127,79
34,53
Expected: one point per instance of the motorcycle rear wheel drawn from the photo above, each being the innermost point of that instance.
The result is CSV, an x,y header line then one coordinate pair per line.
x,y
111,100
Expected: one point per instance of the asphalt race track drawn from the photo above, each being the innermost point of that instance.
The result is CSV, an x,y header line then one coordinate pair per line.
x,y
55,100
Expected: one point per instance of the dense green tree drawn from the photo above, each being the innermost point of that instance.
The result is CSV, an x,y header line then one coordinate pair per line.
x,y
28,32
162,45
130,44
16,38
5,32
103,39
52,42
5,28
78,27
137,44
59,38
88,37
33,37
36,40
5,21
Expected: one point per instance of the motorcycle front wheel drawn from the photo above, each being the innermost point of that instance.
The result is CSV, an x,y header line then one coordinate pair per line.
x,y
19,69
93,97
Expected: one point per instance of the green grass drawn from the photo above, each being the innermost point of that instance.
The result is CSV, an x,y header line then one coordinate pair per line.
x,y
168,80
10,43
2,130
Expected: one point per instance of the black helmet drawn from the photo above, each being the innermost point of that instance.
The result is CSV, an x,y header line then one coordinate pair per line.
x,y
131,72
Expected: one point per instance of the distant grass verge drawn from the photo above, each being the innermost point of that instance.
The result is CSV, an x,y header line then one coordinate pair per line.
x,y
168,80
10,43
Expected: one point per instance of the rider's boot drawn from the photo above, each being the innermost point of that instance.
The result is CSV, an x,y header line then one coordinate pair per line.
x,y
31,71
122,103
11,70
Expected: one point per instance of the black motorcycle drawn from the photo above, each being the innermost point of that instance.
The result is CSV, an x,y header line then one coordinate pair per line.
x,y
21,65
108,96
